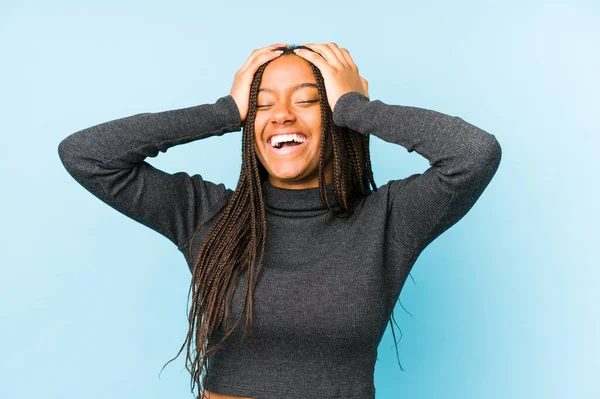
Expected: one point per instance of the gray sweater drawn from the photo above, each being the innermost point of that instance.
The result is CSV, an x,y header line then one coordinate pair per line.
x,y
328,285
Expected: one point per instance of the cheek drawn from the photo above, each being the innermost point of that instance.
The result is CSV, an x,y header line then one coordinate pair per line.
x,y
315,127
258,131
258,123
258,150
314,121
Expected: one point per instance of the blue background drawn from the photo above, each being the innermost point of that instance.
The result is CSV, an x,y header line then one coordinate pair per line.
x,y
504,304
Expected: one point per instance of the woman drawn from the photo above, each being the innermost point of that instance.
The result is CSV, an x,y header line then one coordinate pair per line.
x,y
307,244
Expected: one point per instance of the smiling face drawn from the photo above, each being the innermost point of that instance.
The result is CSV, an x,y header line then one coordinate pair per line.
x,y
289,116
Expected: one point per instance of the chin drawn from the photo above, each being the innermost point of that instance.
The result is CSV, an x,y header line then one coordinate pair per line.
x,y
288,177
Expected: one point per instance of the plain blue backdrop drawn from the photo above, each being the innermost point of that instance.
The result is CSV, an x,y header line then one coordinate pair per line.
x,y
503,305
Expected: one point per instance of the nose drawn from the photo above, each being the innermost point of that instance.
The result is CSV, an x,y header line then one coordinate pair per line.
x,y
282,113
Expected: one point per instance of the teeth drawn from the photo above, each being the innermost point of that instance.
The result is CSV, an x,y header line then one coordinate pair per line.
x,y
282,138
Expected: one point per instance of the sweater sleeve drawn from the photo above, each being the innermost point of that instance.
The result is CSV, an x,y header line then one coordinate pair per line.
x,y
462,158
109,161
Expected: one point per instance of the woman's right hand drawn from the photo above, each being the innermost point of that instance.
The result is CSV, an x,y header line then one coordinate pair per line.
x,y
240,91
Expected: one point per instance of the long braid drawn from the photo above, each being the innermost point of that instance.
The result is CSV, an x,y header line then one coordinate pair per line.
x,y
235,244
340,165
325,134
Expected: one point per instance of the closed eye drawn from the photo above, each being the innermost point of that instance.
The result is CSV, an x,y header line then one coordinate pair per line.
x,y
299,102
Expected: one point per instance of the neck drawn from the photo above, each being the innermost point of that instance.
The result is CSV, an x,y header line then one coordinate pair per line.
x,y
300,185
297,201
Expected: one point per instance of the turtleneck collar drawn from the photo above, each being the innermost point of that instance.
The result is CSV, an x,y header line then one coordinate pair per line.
x,y
303,202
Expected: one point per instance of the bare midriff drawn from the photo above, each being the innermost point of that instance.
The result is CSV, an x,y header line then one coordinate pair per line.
x,y
214,395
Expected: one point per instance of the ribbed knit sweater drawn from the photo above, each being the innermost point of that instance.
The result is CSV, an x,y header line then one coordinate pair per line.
x,y
328,285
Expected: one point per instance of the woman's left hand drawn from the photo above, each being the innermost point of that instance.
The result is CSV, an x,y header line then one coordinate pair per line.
x,y
339,71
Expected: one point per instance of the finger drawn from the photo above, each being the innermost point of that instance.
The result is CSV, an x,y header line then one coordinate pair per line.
x,y
253,63
266,49
326,52
338,53
272,46
365,85
315,58
349,59
276,45
261,51
259,60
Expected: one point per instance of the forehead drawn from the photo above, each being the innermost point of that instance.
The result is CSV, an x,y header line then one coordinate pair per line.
x,y
285,72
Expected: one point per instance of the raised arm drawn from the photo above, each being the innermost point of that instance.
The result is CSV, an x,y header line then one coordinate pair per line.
x,y
108,160
463,160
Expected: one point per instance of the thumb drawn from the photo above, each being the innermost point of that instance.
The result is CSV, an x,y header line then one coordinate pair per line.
x,y
365,85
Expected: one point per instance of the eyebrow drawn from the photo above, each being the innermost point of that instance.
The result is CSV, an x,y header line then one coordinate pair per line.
x,y
294,88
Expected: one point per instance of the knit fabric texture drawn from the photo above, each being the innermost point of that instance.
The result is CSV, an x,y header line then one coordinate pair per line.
x,y
328,285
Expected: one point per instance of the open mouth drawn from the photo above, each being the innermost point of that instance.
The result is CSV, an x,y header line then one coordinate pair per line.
x,y
286,144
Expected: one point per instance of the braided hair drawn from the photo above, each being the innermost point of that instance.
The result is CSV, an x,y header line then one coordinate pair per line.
x,y
237,238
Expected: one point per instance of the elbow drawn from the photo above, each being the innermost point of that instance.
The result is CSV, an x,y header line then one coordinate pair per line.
x,y
67,153
481,161
485,150
492,153
488,161
483,147
63,150
76,162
